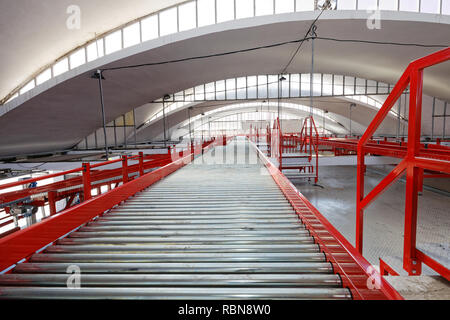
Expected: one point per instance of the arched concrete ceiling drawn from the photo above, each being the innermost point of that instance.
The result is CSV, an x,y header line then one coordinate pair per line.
x,y
330,125
64,110
34,33
338,110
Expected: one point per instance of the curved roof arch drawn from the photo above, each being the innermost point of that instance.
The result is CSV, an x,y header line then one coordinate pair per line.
x,y
296,110
185,15
59,113
337,115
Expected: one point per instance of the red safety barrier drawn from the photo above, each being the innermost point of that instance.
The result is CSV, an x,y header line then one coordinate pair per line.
x,y
357,274
23,243
92,178
306,142
416,157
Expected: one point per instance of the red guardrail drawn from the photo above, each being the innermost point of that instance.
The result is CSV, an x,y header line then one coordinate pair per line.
x,y
91,178
23,243
415,160
357,274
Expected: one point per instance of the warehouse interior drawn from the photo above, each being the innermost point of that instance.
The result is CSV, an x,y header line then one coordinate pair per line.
x,y
225,149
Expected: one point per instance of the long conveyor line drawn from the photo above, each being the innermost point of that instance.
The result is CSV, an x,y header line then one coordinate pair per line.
x,y
208,231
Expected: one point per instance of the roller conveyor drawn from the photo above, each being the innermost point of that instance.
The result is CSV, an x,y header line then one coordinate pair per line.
x,y
207,231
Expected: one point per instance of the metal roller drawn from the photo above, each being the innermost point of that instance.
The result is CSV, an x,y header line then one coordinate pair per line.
x,y
194,233
175,267
191,280
203,232
178,257
98,226
186,248
183,293
200,239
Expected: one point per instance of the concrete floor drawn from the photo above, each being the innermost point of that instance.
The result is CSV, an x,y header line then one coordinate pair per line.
x,y
421,287
384,219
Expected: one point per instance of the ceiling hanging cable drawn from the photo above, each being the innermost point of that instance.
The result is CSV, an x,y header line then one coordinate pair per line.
x,y
325,6
273,46
310,34
311,75
190,133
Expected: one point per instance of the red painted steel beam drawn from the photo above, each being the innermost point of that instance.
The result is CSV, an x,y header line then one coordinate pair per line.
x,y
355,275
393,176
386,269
390,150
436,266
25,242
94,176
417,158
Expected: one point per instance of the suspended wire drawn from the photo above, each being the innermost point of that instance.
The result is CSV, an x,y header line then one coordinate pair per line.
x,y
278,44
306,37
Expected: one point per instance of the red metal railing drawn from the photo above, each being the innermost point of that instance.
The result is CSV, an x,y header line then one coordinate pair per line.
x,y
416,157
23,243
357,274
396,149
91,178
306,142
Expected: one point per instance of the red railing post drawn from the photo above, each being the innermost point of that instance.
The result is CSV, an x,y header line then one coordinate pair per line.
x,y
141,163
86,181
52,202
413,163
280,145
124,169
410,262
359,197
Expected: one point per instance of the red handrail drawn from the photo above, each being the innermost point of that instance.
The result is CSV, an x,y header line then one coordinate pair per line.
x,y
356,272
414,162
23,243
82,185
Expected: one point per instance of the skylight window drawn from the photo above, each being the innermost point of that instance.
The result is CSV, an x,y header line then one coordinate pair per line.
x,y
225,10
44,76
327,87
305,84
131,35
295,85
30,85
262,86
338,88
220,90
446,7
149,28
371,86
284,6
252,87
206,12
113,42
60,67
263,7
95,50
241,88
244,9
168,21
305,5
349,85
389,5
409,5
187,16
346,5
12,97
77,58
430,6
367,4
231,88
